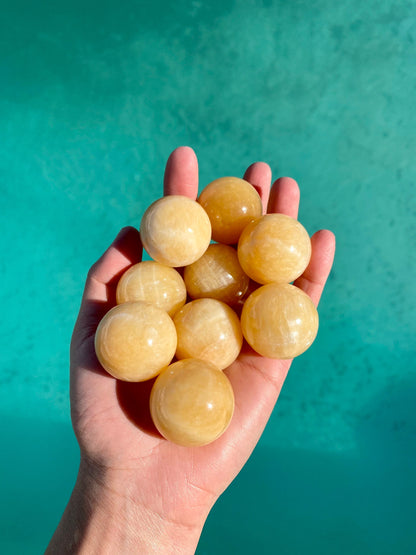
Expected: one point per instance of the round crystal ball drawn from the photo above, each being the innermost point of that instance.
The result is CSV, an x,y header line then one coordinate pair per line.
x,y
135,340
279,321
209,330
154,283
274,249
217,275
175,230
191,402
231,203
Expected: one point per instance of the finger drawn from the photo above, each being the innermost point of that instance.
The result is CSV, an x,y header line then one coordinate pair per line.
x,y
259,175
313,279
124,251
181,173
103,276
284,197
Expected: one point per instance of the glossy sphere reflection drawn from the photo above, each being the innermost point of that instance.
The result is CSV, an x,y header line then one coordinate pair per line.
x,y
209,330
154,283
135,340
274,249
192,402
217,275
231,203
175,231
279,321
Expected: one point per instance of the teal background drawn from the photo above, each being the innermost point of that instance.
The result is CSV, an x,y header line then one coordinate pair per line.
x,y
93,98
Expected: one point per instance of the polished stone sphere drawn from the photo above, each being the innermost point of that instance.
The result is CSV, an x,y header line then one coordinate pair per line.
x,y
209,330
274,249
154,283
279,321
192,402
217,275
175,230
135,340
231,203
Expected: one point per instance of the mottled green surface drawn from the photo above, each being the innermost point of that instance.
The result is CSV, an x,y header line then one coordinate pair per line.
x,y
93,97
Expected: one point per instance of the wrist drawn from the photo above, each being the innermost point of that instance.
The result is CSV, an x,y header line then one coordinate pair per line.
x,y
103,517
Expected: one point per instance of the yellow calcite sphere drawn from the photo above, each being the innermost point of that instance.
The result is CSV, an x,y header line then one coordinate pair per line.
x,y
154,283
231,203
274,249
192,402
209,330
217,275
175,230
279,321
135,340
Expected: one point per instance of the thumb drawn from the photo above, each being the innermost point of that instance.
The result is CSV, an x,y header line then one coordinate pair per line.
x,y
101,284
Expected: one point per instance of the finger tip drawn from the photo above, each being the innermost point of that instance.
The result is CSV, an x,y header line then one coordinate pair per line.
x,y
323,253
259,175
326,239
186,149
127,234
182,155
285,197
128,243
287,183
127,230
181,173
260,167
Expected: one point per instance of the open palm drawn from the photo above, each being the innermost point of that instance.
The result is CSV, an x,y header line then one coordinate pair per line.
x,y
112,419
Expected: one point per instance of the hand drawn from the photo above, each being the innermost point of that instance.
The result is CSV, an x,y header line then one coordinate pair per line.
x,y
157,493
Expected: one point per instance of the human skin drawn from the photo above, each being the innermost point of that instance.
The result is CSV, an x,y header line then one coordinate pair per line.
x,y
137,492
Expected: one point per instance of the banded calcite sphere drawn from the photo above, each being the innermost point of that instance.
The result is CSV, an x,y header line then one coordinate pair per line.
x,y
192,402
217,275
135,340
154,283
274,249
209,330
231,203
175,230
279,321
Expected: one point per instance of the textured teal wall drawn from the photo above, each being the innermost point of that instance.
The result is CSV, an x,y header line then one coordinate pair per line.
x,y
93,97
